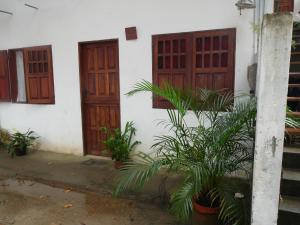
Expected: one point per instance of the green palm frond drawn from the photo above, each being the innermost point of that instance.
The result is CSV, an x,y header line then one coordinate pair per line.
x,y
137,173
291,121
174,96
182,205
234,209
218,143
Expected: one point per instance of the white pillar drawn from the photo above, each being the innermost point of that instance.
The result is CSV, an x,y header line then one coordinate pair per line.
x,y
273,74
269,6
262,7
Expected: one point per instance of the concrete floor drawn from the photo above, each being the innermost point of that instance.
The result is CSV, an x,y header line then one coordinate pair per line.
x,y
46,188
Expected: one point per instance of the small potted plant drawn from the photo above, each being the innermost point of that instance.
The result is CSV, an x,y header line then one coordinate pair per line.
x,y
20,142
5,138
120,143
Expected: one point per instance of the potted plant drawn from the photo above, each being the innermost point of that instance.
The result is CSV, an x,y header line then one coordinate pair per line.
x,y
217,144
120,144
5,138
20,142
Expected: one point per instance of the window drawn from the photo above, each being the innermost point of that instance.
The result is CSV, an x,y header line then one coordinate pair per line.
x,y
17,75
30,75
203,59
284,5
4,77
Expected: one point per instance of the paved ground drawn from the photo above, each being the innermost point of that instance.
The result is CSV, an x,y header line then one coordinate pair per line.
x,y
54,189
30,203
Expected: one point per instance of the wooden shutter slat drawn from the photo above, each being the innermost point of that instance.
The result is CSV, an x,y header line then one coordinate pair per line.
x,y
5,95
39,75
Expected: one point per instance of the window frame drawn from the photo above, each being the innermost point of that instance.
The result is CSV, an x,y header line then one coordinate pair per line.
x,y
51,98
13,75
13,78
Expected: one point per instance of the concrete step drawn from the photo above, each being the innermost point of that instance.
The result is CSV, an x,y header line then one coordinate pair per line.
x,y
295,114
288,218
294,74
289,211
291,158
289,204
292,149
289,174
290,183
293,99
294,85
293,131
294,62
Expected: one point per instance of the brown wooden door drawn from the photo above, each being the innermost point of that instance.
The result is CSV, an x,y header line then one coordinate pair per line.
x,y
100,92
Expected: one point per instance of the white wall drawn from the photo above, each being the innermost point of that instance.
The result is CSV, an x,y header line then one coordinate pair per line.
x,y
297,10
64,23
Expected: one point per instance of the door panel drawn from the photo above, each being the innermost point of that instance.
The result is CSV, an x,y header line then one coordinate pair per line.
x,y
100,93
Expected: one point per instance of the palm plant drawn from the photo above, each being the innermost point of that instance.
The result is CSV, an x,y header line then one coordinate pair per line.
x,y
217,144
290,120
119,143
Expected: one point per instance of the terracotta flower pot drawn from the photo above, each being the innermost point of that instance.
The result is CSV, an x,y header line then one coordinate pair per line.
x,y
118,164
204,215
204,209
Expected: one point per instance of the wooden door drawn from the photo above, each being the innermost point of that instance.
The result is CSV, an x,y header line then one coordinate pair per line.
x,y
99,65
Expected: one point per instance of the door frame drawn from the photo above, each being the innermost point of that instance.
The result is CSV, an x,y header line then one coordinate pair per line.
x,y
80,61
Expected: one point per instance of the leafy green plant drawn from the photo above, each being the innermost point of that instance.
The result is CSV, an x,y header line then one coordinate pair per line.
x,y
291,120
218,144
120,143
5,138
20,142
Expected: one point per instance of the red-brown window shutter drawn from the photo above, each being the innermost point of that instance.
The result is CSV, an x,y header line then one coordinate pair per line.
x,y
13,75
213,59
194,60
284,5
171,63
4,78
39,75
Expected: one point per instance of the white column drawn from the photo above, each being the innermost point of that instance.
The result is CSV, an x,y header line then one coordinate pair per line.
x,y
269,6
262,7
273,74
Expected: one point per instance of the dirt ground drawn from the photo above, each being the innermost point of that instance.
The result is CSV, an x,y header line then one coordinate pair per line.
x,y
46,188
24,202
